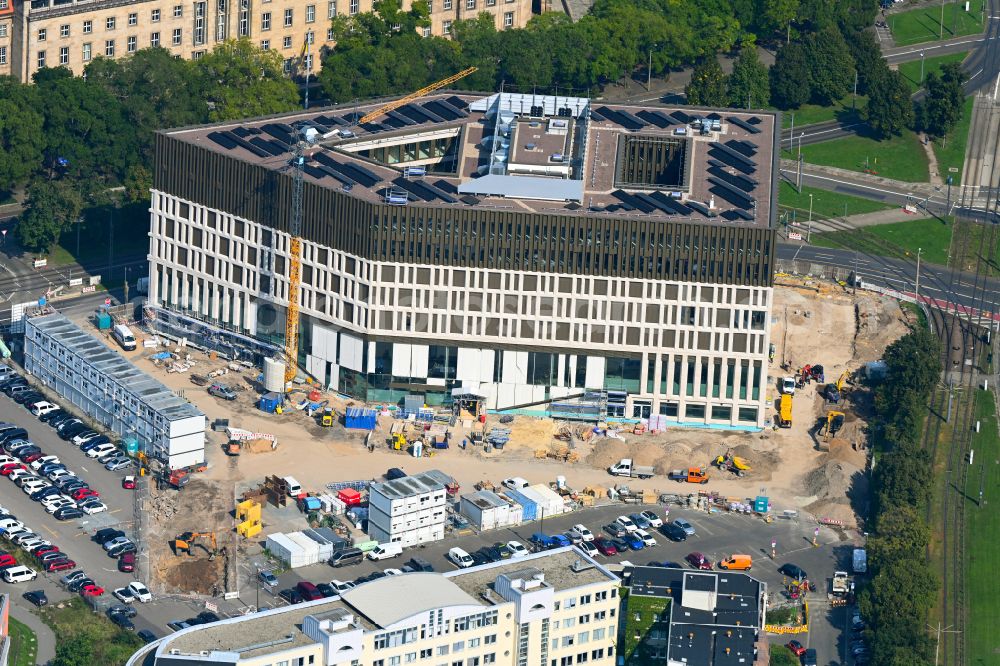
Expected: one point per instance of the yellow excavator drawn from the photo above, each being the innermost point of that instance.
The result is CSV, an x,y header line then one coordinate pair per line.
x,y
185,542
834,422
326,418
730,463
398,441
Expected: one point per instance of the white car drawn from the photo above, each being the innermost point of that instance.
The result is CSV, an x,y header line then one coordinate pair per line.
x,y
116,464
647,538
516,549
584,532
588,547
140,591
34,542
19,474
37,464
7,524
627,523
515,483
341,586
60,503
6,460
54,499
654,520
100,450
14,530
393,572
124,595
91,508
43,407
23,536
35,485
84,436
57,474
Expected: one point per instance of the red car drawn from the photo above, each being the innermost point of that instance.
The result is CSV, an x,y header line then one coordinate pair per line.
x,y
7,468
44,550
83,493
126,562
32,457
699,561
796,647
128,483
7,560
59,565
605,547
91,590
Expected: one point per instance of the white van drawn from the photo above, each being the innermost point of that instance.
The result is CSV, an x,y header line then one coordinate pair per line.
x,y
19,574
123,335
460,558
294,487
384,551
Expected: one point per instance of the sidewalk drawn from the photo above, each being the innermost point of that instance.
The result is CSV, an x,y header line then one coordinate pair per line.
x,y
891,216
859,177
43,634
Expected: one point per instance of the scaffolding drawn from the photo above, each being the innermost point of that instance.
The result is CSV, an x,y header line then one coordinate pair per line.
x,y
227,344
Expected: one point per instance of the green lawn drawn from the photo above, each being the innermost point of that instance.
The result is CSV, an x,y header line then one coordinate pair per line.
x,y
808,114
89,636
950,152
900,157
825,203
911,70
982,538
23,644
980,248
900,239
924,24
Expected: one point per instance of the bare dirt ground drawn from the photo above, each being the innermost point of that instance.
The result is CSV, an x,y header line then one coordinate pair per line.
x,y
812,323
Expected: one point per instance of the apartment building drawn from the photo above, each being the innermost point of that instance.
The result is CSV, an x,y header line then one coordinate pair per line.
x,y
408,511
533,247
108,388
70,33
556,608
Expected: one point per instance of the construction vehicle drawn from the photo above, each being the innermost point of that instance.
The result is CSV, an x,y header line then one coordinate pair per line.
x,y
785,411
185,542
403,101
398,442
690,475
232,448
730,463
326,417
295,261
175,478
810,373
841,583
625,467
834,422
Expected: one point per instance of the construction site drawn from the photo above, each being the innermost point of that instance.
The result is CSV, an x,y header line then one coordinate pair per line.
x,y
815,465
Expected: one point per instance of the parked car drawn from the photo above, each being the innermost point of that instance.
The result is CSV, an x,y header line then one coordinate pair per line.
x,y
292,596
140,591
116,541
146,635
123,621
588,547
516,549
326,590
308,591
116,464
615,529
107,534
59,565
128,483
639,520
651,518
82,437
627,523
36,597
68,513
122,549
673,532
47,417
126,563
792,571
685,525
698,561
583,532
222,391
124,595
267,578
604,546
394,473
796,647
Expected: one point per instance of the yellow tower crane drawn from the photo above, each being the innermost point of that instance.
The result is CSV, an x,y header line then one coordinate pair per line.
x,y
403,101
295,261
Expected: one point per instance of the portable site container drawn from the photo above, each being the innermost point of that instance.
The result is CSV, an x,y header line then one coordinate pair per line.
x,y
310,549
550,499
529,507
269,402
349,496
487,510
286,550
360,418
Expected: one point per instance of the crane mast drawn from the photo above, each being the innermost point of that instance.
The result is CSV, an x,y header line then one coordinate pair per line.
x,y
295,266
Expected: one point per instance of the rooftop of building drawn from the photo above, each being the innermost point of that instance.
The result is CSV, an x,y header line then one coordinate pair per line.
x,y
110,364
562,568
410,486
385,601
536,153
724,635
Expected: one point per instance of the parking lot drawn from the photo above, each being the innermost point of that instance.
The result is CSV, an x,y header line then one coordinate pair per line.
x,y
716,536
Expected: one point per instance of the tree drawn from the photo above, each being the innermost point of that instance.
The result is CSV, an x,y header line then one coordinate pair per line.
x,y
782,656
749,87
912,365
50,209
138,182
21,135
708,84
831,68
790,77
900,534
239,79
774,16
942,108
890,109
868,60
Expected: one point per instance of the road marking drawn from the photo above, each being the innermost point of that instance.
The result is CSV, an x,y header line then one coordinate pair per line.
x,y
84,469
995,88
861,185
938,46
47,529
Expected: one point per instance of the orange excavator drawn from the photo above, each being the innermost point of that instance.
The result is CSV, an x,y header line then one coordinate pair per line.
x,y
183,543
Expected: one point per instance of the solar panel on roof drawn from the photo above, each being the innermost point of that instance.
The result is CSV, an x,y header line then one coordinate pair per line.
x,y
361,174
269,146
443,110
457,102
638,122
740,123
223,140
413,187
700,207
681,117
730,193
646,199
716,163
429,113
714,116
631,202
243,131
734,163
446,105
441,194
594,115
404,119
243,143
330,120
671,203
469,200
279,133
743,213
742,147
653,119
445,186
754,120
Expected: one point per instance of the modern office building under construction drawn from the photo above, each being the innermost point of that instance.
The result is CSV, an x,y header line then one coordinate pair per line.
x,y
539,247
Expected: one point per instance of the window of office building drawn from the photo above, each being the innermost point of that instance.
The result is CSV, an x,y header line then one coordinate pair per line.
x,y
446,4
178,11
3,55
87,52
177,36
154,16
130,44
3,29
199,22
508,19
310,13
42,34
265,44
331,9
64,55
220,20
446,27
470,4
265,21
244,27
354,8
133,19
64,30
109,48
154,39
88,27
329,34
41,59
109,23
288,18
286,42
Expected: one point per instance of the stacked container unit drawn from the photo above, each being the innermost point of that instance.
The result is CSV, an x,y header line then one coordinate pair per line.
x,y
529,507
408,511
487,510
327,541
360,418
548,500
310,549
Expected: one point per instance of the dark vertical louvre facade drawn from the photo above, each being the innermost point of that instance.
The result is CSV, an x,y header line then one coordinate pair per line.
x,y
458,235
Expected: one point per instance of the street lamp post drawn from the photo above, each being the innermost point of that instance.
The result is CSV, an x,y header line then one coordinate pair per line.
x,y
810,227
921,68
916,285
